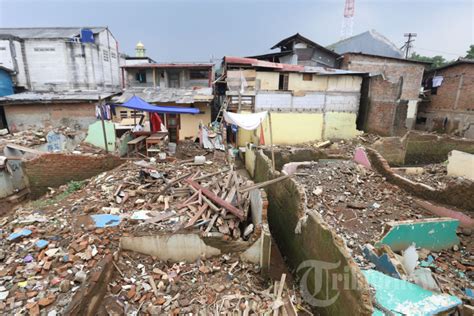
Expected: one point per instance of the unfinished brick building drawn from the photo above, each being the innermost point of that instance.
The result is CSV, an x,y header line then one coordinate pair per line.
x,y
449,103
389,97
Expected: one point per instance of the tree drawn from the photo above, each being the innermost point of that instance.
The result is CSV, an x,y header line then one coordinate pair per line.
x,y
470,52
437,61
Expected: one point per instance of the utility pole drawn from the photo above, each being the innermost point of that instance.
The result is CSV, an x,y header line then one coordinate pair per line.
x,y
408,45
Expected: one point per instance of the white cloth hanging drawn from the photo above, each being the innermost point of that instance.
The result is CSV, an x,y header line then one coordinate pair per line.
x,y
437,81
248,121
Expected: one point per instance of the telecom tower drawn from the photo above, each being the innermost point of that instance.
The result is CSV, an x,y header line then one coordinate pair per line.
x,y
348,21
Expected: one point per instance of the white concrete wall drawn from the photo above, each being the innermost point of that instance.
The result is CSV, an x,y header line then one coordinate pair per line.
x,y
62,65
461,164
6,59
310,101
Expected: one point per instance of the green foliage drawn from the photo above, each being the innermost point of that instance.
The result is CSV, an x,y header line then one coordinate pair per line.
x,y
470,52
437,61
72,186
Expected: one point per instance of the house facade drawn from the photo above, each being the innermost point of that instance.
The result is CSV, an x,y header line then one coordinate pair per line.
x,y
390,94
448,105
170,84
299,50
306,103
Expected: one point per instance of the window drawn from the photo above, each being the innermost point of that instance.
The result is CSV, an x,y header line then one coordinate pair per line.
x,y
137,114
44,49
198,74
3,48
141,76
106,55
307,77
123,114
283,82
113,55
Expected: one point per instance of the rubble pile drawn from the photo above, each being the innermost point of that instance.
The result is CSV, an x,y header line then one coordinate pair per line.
x,y
49,247
172,197
434,175
342,148
44,259
358,203
188,149
220,285
28,138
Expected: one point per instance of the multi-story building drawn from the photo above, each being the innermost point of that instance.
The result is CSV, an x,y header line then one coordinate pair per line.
x,y
306,103
61,58
57,74
169,84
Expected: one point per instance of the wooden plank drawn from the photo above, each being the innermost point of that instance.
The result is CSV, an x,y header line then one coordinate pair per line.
x,y
137,140
24,149
217,199
211,223
211,174
197,216
264,184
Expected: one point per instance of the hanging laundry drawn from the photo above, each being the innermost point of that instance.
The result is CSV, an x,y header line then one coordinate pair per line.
x,y
246,121
155,122
437,81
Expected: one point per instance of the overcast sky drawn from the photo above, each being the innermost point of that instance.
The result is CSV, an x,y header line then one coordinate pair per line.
x,y
192,30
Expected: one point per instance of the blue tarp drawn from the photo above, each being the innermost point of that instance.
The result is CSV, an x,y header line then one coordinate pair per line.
x,y
137,103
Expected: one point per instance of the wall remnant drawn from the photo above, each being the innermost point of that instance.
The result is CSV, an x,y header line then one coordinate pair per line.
x,y
459,193
420,148
458,164
56,169
313,240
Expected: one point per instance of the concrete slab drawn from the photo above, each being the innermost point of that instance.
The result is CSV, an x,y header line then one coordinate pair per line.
x,y
432,233
405,298
461,164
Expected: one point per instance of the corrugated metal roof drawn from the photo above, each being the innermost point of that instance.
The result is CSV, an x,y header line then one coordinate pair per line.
x,y
48,32
28,97
370,42
301,38
170,65
167,95
459,61
288,67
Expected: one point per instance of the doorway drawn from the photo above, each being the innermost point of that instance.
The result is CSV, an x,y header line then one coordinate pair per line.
x,y
173,125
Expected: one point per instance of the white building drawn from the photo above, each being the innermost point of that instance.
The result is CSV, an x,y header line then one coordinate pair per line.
x,y
61,58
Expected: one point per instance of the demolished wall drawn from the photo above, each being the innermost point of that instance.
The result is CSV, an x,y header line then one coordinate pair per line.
x,y
419,148
459,193
54,170
306,240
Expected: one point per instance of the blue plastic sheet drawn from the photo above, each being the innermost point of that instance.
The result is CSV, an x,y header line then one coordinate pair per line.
x,y
137,103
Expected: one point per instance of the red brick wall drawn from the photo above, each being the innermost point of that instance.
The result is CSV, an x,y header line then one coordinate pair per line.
x,y
392,70
54,170
445,97
383,96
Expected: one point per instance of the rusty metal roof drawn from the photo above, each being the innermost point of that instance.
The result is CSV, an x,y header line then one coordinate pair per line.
x,y
171,65
288,67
